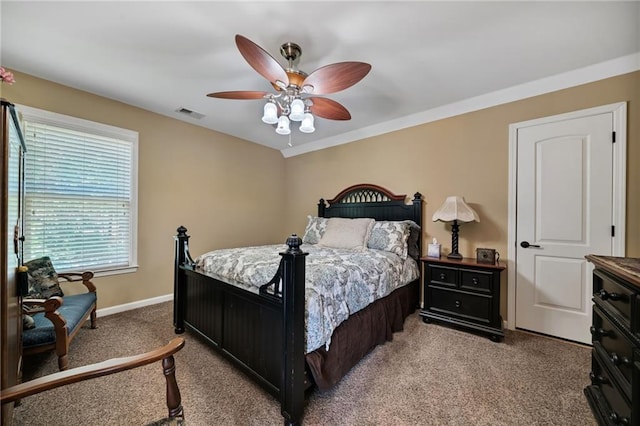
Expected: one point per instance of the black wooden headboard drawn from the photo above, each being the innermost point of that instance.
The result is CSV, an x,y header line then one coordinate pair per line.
x,y
372,201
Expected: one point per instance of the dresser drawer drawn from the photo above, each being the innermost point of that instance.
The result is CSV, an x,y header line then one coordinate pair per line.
x,y
612,296
636,387
618,409
442,275
613,347
472,307
476,281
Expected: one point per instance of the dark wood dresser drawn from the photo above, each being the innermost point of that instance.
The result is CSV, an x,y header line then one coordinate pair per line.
x,y
464,293
614,393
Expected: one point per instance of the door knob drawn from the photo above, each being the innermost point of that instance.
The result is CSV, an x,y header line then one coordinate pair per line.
x,y
525,244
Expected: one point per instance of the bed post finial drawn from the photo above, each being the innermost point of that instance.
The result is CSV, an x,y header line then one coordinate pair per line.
x,y
294,242
321,206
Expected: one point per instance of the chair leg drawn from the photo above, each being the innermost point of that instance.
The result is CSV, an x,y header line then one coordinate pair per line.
x,y
63,362
173,392
93,318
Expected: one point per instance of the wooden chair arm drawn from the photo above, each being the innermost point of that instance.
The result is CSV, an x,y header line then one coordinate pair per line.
x,y
100,369
32,306
50,308
85,277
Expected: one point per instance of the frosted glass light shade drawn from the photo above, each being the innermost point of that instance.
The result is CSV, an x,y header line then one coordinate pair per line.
x,y
307,124
270,113
455,208
283,126
297,110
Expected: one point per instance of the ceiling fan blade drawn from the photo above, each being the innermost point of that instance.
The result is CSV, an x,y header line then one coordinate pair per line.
x,y
329,109
335,77
238,94
261,61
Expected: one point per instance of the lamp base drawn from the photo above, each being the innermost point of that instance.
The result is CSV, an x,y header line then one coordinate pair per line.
x,y
456,255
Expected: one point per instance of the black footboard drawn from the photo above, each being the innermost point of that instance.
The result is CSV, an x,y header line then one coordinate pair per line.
x,y
262,333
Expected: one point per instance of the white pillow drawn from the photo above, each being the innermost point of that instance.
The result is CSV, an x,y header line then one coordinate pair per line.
x,y
347,233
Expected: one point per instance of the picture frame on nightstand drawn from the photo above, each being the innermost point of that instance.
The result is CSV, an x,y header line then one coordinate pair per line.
x,y
487,256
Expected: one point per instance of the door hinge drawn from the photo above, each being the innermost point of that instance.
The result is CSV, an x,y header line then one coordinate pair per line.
x,y
614,137
613,230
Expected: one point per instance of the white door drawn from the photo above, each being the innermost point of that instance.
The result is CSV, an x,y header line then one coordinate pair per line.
x,y
564,211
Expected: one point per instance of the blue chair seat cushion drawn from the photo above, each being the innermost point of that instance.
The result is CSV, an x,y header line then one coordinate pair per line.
x,y
73,309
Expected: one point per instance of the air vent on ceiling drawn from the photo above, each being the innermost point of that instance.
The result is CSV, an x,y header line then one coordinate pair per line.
x,y
190,113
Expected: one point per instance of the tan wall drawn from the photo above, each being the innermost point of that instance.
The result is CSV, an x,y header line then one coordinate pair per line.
x,y
190,176
465,155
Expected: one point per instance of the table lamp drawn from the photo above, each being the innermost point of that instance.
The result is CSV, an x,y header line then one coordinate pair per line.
x,y
455,210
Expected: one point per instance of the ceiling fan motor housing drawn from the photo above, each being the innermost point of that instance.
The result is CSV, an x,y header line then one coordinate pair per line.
x,y
291,52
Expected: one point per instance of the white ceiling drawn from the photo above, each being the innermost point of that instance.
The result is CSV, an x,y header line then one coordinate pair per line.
x,y
429,59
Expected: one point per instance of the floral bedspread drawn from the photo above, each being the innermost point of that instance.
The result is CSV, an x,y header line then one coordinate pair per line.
x,y
338,282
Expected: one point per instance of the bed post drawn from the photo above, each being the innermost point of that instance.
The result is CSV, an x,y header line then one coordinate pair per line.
x,y
293,362
179,278
417,215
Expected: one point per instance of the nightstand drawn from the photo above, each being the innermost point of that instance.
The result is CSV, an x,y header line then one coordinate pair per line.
x,y
464,293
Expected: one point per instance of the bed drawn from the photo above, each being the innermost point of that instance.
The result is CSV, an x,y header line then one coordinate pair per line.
x,y
265,326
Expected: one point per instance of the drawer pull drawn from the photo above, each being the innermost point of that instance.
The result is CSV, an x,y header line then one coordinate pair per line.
x,y
617,360
598,380
458,304
475,281
618,420
442,276
599,332
604,295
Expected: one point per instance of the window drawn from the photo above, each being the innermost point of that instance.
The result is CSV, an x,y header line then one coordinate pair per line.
x,y
80,193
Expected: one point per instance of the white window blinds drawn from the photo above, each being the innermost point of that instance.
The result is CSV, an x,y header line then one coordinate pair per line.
x,y
80,193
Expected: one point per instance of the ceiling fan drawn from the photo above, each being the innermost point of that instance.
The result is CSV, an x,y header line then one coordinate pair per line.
x,y
296,97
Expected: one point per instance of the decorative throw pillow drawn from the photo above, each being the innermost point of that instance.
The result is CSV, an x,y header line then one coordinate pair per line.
x,y
413,240
43,279
315,229
346,233
389,236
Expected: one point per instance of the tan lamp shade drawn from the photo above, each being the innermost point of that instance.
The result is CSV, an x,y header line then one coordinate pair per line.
x,y
455,208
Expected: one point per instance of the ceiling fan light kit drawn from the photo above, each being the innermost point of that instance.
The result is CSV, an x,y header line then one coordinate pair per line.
x,y
307,123
283,125
296,92
270,113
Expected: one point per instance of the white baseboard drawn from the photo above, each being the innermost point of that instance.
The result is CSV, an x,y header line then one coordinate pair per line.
x,y
133,305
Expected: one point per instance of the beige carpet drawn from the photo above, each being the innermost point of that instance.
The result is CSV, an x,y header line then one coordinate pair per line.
x,y
428,375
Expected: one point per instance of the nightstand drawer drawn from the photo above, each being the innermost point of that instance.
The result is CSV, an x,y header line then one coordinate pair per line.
x,y
463,305
476,281
443,275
